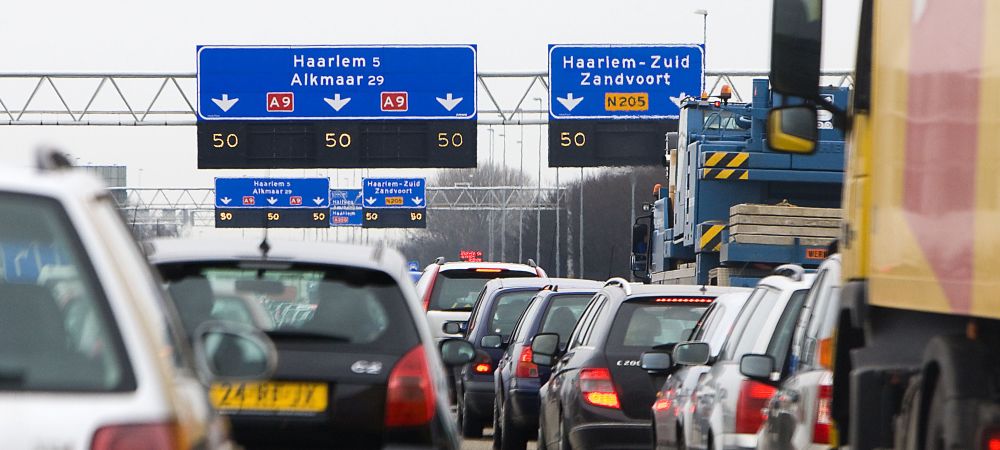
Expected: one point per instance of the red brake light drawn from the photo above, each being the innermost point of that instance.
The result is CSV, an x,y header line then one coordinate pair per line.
x,y
753,398
525,368
410,393
483,368
992,440
821,427
597,388
489,270
684,300
153,436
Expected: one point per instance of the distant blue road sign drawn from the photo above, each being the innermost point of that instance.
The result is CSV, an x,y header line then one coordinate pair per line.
x,y
394,193
272,192
623,81
346,208
414,266
336,82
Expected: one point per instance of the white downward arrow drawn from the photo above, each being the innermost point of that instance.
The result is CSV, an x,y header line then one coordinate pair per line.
x,y
272,200
318,200
417,200
225,200
336,102
569,102
448,102
225,103
370,200
678,99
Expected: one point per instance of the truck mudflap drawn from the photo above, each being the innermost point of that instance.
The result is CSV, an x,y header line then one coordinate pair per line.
x,y
876,393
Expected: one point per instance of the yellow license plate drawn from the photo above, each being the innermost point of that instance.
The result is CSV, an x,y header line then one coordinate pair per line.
x,y
627,101
270,396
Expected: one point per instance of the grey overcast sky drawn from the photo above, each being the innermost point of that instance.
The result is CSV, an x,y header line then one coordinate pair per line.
x,y
142,36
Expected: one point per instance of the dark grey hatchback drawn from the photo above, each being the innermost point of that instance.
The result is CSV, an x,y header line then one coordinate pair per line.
x,y
357,367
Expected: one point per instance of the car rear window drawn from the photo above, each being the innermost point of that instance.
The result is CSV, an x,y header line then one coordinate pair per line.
x,y
321,304
56,329
563,313
457,289
507,308
649,322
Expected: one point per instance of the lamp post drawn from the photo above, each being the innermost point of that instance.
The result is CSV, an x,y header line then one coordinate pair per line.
x,y
538,192
704,39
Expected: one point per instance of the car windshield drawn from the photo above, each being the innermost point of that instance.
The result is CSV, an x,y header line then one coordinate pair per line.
x,y
507,310
649,323
332,304
457,290
55,328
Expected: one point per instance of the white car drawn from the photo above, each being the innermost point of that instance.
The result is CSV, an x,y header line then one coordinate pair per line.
x,y
450,289
91,355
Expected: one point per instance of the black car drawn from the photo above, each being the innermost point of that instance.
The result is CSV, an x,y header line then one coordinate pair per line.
x,y
494,314
357,366
517,378
598,396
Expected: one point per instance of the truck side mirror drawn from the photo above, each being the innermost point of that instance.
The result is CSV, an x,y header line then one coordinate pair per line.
x,y
792,129
640,251
796,33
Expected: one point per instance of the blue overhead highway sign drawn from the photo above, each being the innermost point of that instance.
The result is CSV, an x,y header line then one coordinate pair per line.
x,y
346,208
394,193
272,193
623,81
336,82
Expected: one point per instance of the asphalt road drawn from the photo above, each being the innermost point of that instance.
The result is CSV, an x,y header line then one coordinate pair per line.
x,y
486,443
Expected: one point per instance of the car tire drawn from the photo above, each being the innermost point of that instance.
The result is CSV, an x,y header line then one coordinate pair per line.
x,y
564,437
472,425
497,426
680,438
512,438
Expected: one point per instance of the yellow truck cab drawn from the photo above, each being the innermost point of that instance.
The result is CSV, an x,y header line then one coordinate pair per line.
x,y
916,359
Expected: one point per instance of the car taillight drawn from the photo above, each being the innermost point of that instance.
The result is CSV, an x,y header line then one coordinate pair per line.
x,y
430,290
821,427
410,393
991,439
151,436
525,368
749,407
597,388
483,364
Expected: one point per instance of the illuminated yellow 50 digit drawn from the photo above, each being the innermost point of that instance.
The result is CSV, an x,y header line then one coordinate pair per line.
x,y
334,140
229,140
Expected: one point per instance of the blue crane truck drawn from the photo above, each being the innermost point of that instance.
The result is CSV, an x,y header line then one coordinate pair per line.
x,y
732,210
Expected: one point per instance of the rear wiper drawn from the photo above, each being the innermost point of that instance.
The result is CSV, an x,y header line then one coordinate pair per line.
x,y
463,309
13,377
303,334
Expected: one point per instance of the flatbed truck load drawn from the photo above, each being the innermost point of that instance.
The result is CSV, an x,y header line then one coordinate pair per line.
x,y
916,358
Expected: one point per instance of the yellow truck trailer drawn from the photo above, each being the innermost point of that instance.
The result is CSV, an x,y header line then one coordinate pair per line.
x,y
917,353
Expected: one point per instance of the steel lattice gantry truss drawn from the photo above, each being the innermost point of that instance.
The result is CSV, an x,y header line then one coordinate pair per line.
x,y
196,206
131,99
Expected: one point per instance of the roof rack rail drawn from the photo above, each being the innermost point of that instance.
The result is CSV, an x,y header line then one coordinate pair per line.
x,y
793,271
49,159
439,260
625,285
550,287
532,263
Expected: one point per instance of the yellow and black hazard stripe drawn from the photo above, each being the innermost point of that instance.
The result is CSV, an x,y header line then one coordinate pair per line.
x,y
725,174
711,237
731,160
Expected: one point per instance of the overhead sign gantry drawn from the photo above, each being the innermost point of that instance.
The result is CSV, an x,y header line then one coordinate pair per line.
x,y
336,106
612,105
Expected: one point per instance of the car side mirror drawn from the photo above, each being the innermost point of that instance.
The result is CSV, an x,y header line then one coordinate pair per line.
x,y
491,341
230,351
657,362
457,352
758,367
452,327
544,347
692,353
792,129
